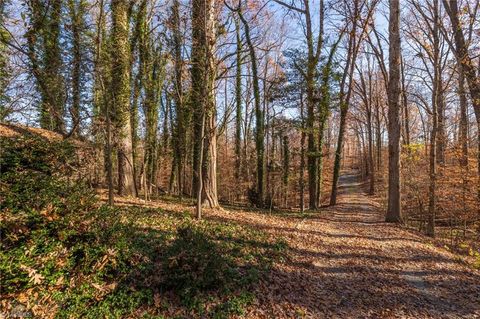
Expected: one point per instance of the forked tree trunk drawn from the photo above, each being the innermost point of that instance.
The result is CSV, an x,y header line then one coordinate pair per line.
x,y
203,98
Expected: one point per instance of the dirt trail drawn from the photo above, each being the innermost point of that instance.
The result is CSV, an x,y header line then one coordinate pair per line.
x,y
345,262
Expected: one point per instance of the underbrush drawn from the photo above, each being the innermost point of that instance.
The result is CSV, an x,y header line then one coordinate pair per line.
x,y
64,255
457,227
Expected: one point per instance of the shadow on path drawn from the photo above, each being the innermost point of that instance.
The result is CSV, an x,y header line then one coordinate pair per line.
x,y
346,262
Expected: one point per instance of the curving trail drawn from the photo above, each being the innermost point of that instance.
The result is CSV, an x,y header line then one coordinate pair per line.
x,y
346,262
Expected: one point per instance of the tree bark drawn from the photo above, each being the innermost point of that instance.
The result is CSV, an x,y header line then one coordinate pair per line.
x,y
463,130
394,210
286,165
406,113
259,117
120,90
302,157
179,131
77,12
238,101
203,98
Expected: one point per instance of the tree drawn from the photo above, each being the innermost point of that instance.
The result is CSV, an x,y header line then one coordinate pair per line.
x,y
314,49
468,67
365,89
181,105
77,10
346,85
436,146
120,94
44,54
238,100
152,64
4,62
259,113
286,164
394,210
203,74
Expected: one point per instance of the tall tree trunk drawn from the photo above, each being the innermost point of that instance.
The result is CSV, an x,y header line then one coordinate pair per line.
x,y
286,166
180,132
238,101
371,162
324,112
108,155
312,62
209,169
153,73
203,82
463,134
441,138
259,117
378,133
394,210
198,172
77,12
4,62
101,105
406,115
53,65
302,157
321,132
435,135
432,169
120,90
312,153
338,153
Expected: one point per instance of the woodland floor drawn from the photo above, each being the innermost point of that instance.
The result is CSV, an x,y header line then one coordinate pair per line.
x,y
346,262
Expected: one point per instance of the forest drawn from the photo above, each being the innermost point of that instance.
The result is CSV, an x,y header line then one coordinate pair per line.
x,y
239,159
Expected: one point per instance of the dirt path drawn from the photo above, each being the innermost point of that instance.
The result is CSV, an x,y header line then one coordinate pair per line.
x,y
345,262
348,263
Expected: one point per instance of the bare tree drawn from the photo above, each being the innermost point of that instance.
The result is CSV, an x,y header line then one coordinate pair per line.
x,y
394,209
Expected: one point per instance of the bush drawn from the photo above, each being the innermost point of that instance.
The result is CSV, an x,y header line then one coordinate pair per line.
x,y
35,199
33,178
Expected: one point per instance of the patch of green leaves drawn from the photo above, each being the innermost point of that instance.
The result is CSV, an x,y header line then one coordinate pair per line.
x,y
92,261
